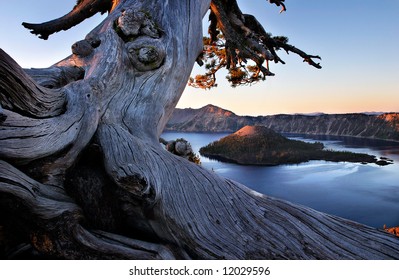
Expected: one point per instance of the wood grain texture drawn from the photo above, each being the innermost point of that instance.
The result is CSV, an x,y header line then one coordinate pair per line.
x,y
120,108
19,92
216,218
53,221
55,77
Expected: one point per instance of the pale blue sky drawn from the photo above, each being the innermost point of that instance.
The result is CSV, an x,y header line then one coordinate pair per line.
x,y
357,39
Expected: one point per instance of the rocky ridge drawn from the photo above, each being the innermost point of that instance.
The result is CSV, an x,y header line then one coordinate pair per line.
x,y
214,119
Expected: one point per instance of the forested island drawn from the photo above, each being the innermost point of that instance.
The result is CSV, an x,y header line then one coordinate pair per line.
x,y
259,145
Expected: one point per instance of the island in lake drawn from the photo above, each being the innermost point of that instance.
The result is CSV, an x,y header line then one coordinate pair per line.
x,y
259,145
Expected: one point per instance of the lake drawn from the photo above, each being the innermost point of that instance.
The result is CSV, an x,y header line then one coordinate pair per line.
x,y
368,194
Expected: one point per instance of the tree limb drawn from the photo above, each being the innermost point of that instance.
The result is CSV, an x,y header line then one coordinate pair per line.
x,y
243,39
20,93
306,57
278,4
56,76
83,10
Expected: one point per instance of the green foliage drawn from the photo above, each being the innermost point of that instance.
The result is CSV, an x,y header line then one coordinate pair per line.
x,y
214,58
194,158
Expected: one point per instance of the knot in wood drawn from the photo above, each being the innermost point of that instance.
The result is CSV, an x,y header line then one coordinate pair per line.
x,y
82,48
93,40
146,53
133,23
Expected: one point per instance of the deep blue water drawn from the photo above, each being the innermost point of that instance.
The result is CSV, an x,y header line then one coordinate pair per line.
x,y
368,193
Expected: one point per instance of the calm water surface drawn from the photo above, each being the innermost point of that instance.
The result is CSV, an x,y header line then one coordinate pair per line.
x,y
368,193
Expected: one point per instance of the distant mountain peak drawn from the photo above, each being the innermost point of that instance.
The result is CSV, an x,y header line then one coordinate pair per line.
x,y
216,110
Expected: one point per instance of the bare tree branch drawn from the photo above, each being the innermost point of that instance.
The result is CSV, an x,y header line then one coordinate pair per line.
x,y
55,76
83,10
279,3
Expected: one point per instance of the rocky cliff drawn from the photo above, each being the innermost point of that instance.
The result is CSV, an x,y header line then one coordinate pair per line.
x,y
207,119
214,119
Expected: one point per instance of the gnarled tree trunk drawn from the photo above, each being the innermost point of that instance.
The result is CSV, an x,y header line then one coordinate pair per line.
x,y
82,174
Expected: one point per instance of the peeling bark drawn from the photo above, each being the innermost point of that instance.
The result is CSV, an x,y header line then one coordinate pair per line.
x,y
100,156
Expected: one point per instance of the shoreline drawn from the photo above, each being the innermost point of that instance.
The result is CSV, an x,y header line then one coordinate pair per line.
x,y
221,158
298,134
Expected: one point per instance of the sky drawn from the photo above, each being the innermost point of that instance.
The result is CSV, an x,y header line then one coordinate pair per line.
x,y
357,39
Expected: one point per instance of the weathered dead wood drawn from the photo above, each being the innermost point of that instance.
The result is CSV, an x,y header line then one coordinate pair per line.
x,y
24,139
54,143
83,10
39,122
136,64
3,116
55,77
215,218
52,220
20,93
